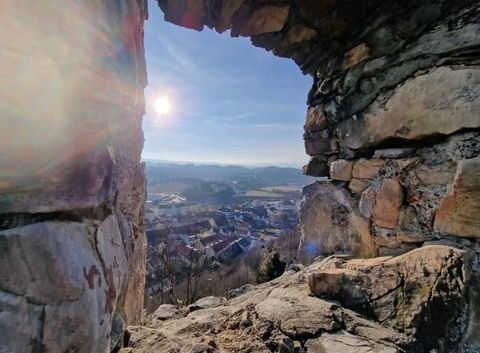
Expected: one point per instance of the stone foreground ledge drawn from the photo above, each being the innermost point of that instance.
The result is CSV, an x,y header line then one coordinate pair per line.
x,y
413,303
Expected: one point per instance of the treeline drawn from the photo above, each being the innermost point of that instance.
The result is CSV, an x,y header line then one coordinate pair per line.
x,y
188,275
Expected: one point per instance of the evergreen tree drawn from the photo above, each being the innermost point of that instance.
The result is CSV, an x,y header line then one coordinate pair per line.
x,y
272,268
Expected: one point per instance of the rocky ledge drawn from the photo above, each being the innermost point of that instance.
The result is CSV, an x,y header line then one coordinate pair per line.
x,y
417,302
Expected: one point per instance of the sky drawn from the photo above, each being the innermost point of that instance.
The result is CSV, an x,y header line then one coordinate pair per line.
x,y
231,103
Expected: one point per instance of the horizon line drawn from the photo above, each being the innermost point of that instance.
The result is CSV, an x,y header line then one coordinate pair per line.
x,y
223,164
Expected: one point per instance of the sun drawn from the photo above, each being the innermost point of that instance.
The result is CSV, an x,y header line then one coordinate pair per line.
x,y
162,105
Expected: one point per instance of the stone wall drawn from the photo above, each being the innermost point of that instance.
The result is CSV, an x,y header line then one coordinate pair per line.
x,y
394,123
72,187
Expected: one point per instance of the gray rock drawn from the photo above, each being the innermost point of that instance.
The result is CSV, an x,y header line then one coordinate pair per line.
x,y
341,170
346,343
206,303
239,291
440,102
393,153
166,312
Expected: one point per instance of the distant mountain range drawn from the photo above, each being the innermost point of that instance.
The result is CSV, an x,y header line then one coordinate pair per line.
x,y
161,172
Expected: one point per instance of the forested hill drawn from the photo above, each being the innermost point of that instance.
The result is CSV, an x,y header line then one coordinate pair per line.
x,y
159,172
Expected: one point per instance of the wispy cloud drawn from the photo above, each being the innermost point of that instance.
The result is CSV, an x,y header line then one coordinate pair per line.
x,y
177,55
232,102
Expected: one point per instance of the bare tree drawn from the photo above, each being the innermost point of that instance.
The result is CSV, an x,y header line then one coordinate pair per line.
x,y
165,264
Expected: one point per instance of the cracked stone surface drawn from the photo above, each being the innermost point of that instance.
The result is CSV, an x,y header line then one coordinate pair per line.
x,y
423,293
279,316
72,186
418,302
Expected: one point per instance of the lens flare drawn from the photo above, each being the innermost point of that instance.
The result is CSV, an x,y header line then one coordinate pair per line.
x,y
162,106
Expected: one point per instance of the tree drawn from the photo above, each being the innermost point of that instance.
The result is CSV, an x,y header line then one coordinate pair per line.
x,y
271,268
197,265
167,265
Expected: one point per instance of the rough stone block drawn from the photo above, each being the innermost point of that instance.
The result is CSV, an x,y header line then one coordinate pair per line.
x,y
422,285
346,343
388,202
460,209
319,145
393,153
341,170
316,120
367,168
356,55
442,101
266,19
186,13
229,7
358,185
316,168
367,202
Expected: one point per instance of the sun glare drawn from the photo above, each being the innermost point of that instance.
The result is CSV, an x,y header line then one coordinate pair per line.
x,y
162,106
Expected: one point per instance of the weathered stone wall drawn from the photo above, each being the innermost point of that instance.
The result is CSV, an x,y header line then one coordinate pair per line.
x,y
72,246
394,122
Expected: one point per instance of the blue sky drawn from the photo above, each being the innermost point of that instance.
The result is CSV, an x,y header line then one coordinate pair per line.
x,y
232,103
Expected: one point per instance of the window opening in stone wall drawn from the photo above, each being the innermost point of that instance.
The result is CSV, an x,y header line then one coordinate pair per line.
x,y
224,150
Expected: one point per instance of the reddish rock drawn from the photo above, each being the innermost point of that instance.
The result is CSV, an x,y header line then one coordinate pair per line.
x,y
388,203
358,185
316,120
266,19
459,212
356,55
367,168
229,7
186,13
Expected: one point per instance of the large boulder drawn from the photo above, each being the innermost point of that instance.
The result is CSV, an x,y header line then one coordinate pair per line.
x,y
206,303
64,284
424,293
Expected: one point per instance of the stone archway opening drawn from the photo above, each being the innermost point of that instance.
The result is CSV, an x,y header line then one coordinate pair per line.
x,y
235,126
